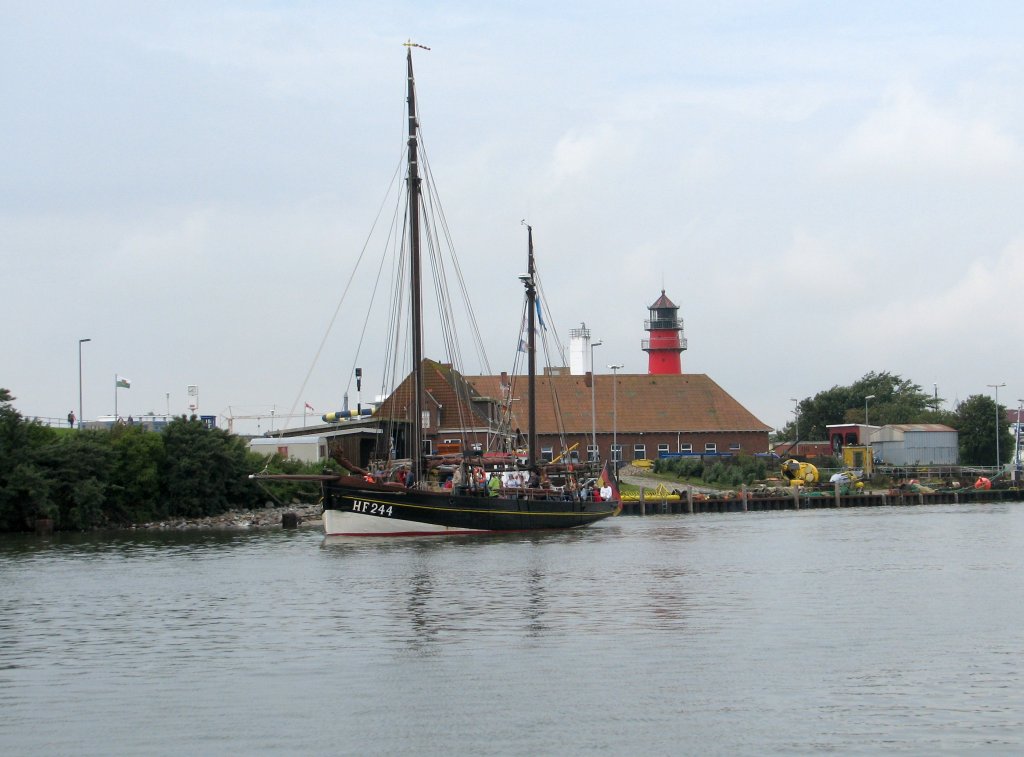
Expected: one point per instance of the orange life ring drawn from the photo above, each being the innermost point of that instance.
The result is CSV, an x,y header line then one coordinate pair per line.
x,y
478,475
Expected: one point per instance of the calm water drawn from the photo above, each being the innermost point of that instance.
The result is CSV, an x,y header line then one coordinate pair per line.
x,y
872,631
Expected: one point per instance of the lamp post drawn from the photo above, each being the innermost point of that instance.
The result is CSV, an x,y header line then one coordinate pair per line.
x,y
869,397
80,343
593,403
615,419
796,412
996,387
1020,406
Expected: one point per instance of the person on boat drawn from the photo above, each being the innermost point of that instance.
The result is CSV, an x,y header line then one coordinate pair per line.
x,y
458,476
534,480
410,479
606,491
494,484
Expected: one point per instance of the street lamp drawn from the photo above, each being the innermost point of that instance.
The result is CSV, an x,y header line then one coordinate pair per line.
x,y
615,420
593,404
996,387
869,397
80,414
1020,406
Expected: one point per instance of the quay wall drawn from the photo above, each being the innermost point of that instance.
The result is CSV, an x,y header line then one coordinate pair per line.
x,y
690,504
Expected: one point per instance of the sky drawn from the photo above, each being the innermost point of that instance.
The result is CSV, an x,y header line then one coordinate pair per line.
x,y
825,190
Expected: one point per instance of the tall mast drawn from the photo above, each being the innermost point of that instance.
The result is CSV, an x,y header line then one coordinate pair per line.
x,y
413,187
531,352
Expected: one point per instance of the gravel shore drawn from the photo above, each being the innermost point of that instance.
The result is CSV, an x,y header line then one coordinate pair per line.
x,y
270,517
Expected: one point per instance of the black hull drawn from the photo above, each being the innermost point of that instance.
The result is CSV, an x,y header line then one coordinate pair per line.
x,y
384,510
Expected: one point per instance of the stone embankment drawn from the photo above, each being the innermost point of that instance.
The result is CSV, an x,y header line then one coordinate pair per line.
x,y
270,517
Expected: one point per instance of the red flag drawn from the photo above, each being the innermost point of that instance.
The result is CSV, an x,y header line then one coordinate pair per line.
x,y
310,408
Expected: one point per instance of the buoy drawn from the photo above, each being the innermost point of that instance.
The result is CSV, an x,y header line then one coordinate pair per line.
x,y
982,483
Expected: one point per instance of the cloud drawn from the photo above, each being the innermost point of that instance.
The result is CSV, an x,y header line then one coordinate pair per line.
x,y
968,311
909,134
578,153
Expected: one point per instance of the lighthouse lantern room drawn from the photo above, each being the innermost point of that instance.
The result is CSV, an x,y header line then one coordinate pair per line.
x,y
666,342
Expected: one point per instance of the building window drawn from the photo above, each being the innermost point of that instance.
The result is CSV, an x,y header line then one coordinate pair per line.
x,y
735,446
662,450
428,448
686,448
547,454
616,453
425,418
639,452
592,452
711,448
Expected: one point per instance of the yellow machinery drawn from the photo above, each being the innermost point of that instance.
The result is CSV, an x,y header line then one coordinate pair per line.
x,y
798,473
859,458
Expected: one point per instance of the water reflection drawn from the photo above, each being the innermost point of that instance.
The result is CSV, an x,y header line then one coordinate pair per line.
x,y
844,632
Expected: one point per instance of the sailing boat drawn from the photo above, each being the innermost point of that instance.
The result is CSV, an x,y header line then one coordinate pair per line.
x,y
363,504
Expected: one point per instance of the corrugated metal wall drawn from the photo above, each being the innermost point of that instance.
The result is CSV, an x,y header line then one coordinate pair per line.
x,y
920,448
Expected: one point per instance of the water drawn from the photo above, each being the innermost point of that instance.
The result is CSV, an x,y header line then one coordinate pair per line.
x,y
873,631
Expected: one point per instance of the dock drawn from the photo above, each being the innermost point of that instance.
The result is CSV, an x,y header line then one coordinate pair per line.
x,y
691,503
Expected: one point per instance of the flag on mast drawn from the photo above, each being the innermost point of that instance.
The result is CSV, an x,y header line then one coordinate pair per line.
x,y
122,383
310,408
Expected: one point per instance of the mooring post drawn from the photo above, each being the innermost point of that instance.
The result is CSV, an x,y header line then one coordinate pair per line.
x,y
836,487
743,496
689,499
796,497
643,503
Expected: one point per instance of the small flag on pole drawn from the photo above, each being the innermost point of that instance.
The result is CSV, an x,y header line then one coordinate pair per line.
x,y
123,383
310,408
606,479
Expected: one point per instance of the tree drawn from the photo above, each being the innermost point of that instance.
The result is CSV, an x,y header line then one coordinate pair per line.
x,y
976,419
204,471
25,492
894,400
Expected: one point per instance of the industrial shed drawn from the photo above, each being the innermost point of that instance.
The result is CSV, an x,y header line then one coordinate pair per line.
x,y
916,444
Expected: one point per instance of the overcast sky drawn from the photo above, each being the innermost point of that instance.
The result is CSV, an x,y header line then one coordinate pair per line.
x,y
825,189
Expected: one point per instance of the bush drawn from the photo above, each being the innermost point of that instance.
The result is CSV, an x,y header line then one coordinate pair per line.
x,y
89,479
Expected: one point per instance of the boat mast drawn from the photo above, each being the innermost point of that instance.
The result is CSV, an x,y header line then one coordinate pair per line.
x,y
531,352
413,187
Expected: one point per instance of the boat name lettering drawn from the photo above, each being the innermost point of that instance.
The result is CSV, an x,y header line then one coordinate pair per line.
x,y
372,508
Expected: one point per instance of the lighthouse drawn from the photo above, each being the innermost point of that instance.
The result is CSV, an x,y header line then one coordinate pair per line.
x,y
666,341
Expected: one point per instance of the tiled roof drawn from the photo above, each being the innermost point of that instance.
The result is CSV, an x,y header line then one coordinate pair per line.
x,y
676,403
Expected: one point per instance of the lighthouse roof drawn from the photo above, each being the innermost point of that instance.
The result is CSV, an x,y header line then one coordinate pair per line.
x,y
663,302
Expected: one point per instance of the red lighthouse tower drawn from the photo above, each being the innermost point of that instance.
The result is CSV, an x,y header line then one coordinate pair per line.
x,y
666,342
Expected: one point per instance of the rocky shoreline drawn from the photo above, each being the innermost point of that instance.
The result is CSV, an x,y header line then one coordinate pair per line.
x,y
270,517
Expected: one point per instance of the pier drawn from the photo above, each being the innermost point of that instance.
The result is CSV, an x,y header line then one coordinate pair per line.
x,y
691,503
